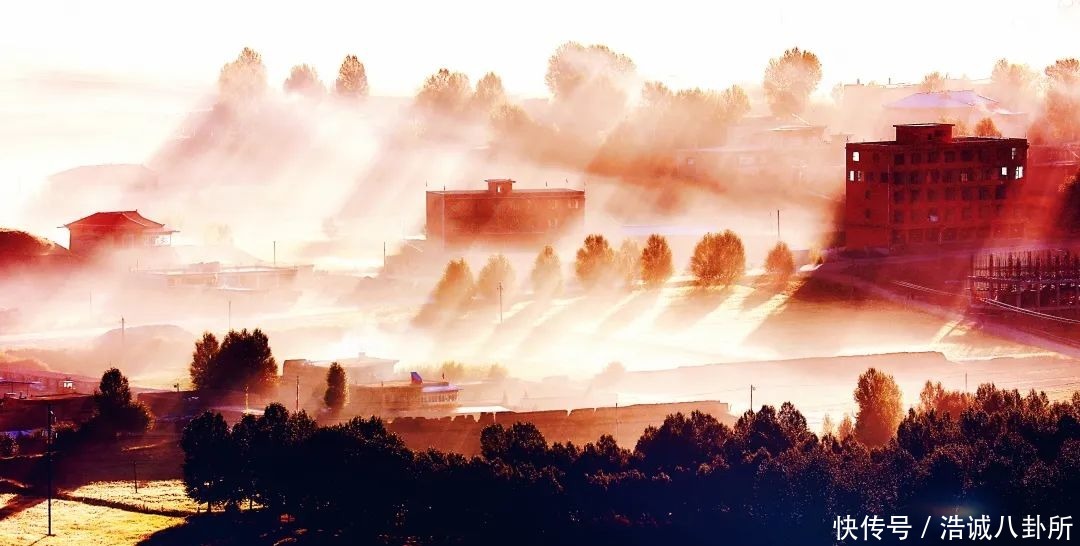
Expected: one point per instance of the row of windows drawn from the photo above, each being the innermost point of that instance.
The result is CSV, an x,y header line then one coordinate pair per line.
x,y
935,215
983,193
947,175
933,156
947,235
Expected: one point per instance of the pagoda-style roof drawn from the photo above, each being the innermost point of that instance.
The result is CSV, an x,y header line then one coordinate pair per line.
x,y
118,220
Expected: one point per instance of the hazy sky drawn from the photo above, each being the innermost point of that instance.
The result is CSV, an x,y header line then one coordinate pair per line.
x,y
686,43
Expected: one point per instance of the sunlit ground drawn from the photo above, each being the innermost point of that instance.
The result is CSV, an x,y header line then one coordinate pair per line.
x,y
160,495
82,524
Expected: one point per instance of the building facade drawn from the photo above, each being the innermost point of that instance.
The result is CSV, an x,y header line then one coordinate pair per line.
x,y
116,230
501,215
927,188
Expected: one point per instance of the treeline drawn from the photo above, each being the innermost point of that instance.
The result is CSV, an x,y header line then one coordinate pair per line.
x,y
766,480
719,259
600,115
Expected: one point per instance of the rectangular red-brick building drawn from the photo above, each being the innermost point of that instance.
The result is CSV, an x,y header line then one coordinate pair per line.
x,y
928,188
502,215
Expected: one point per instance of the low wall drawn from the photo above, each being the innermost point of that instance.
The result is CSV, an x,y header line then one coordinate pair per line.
x,y
461,434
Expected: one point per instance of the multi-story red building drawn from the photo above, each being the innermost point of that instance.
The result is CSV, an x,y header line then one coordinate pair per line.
x,y
929,188
501,215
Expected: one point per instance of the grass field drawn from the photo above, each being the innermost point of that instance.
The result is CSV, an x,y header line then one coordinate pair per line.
x,y
162,495
76,523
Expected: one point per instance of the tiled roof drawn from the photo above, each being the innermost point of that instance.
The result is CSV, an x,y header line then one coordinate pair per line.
x,y
940,100
116,219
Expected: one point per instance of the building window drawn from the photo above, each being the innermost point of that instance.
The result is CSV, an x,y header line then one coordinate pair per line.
x,y
932,216
965,214
950,157
898,217
898,159
1019,172
1012,155
870,176
898,178
931,195
935,176
932,157
914,196
916,158
690,161
948,176
999,192
898,197
855,156
851,176
966,155
866,194
967,194
950,194
866,214
877,158
913,177
1004,173
884,177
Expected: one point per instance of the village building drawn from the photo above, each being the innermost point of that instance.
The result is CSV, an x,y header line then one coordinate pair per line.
x,y
116,230
929,188
504,216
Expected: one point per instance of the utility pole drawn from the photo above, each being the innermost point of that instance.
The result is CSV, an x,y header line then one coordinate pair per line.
x,y
275,253
48,452
123,339
500,303
297,393
384,255
135,474
777,225
752,389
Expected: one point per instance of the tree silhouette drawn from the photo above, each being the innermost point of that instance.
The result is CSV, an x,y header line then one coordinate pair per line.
x,y
243,79
790,79
656,265
114,410
986,128
495,273
211,463
456,286
546,274
1063,99
880,408
780,263
337,388
489,95
243,360
595,261
304,80
445,92
719,259
352,79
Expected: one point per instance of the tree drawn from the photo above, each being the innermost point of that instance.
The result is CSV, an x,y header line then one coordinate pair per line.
x,y
1015,85
243,79
201,360
304,80
986,128
595,261
790,79
243,361
489,95
337,388
352,79
8,446
828,428
546,275
780,263
456,286
1063,99
445,93
114,410
589,85
628,262
1069,213
719,259
846,428
211,463
880,408
496,273
932,83
656,266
